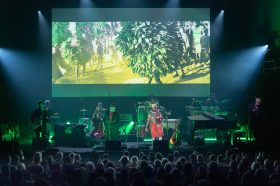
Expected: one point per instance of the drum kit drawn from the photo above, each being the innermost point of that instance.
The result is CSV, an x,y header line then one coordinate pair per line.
x,y
83,120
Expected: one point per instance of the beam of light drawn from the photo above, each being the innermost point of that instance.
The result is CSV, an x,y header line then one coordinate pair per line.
x,y
86,4
241,68
20,69
217,29
44,31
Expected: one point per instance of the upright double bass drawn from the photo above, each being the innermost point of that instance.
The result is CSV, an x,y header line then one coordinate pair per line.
x,y
97,120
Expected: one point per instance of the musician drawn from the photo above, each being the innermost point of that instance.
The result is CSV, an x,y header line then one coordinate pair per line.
x,y
212,101
256,119
39,119
50,122
111,123
97,120
48,106
155,118
195,103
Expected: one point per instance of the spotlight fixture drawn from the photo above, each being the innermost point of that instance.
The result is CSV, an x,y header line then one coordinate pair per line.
x,y
39,12
222,11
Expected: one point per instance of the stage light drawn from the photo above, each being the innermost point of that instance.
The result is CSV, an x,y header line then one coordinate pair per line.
x,y
86,4
172,3
44,31
131,123
217,29
68,123
266,46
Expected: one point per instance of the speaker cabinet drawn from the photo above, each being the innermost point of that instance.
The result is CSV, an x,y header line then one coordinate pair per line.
x,y
70,135
161,146
114,145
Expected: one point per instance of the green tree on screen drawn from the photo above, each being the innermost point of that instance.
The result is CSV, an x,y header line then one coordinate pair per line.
x,y
78,49
154,49
60,33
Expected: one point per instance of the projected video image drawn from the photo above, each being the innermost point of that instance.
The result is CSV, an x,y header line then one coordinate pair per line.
x,y
145,52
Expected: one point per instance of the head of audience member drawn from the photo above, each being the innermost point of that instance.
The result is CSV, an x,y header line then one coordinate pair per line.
x,y
124,161
212,157
105,156
71,158
157,164
220,158
159,156
59,157
176,154
77,159
182,159
179,166
144,158
164,161
37,158
171,158
192,158
126,153
134,160
200,159
90,166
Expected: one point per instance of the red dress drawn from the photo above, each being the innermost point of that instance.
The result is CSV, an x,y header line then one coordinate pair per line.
x,y
155,120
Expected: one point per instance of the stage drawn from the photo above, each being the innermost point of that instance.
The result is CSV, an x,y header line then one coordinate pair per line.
x,y
134,148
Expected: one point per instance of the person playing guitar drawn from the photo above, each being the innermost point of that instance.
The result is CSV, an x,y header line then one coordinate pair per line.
x,y
39,119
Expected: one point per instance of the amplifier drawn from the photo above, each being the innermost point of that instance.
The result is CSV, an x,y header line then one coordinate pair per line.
x,y
171,123
126,117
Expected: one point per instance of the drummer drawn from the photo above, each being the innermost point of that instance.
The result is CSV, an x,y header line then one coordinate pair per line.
x,y
141,113
195,103
212,101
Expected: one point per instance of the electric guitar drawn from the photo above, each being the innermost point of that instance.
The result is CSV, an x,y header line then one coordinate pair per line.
x,y
39,121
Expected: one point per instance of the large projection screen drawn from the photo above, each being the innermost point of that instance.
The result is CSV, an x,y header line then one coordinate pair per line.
x,y
131,52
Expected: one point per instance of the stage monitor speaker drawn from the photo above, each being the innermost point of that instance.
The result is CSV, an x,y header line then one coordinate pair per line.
x,y
114,145
170,123
161,146
70,135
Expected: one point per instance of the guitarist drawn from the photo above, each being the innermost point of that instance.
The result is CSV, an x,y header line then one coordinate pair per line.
x,y
39,119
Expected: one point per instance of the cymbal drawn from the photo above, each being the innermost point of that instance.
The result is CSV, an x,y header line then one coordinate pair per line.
x,y
84,118
55,117
225,101
83,110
